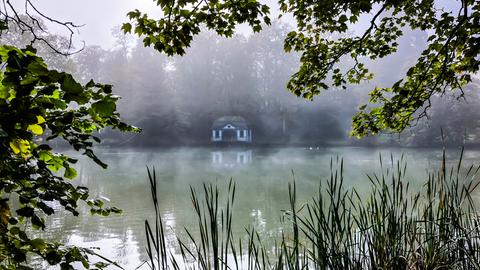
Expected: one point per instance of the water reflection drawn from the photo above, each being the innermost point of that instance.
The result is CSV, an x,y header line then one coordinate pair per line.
x,y
231,158
262,177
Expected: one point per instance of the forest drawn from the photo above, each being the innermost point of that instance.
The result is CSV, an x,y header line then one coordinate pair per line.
x,y
175,100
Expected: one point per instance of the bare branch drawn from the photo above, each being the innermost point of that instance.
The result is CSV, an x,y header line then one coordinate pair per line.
x,y
31,23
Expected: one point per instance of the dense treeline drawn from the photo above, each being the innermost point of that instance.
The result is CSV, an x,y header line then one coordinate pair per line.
x,y
176,99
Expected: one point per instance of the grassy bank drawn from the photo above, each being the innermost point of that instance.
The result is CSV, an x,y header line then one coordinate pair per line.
x,y
436,227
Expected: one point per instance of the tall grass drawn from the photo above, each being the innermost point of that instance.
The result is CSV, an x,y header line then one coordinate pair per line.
x,y
393,227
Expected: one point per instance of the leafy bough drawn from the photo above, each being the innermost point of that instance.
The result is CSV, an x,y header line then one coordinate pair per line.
x,y
38,105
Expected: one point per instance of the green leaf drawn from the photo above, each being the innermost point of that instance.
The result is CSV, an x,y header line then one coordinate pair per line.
x,y
38,244
104,107
55,164
107,88
4,92
38,68
20,146
44,156
127,27
15,230
40,119
71,86
35,129
70,173
37,222
25,211
53,257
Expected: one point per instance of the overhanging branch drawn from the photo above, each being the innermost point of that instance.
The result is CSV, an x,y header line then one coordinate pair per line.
x,y
30,23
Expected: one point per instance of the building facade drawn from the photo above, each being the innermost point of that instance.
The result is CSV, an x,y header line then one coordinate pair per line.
x,y
231,129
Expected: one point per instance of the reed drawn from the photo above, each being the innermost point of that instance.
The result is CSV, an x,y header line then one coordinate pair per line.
x,y
393,227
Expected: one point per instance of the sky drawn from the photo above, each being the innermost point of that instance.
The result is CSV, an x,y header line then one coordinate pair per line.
x,y
99,17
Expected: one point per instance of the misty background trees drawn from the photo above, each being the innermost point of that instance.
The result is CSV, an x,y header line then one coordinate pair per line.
x,y
176,99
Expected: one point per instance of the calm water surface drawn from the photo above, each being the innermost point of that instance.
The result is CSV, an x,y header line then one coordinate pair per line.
x,y
261,176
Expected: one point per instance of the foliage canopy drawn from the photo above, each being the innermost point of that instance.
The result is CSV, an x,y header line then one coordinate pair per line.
x,y
37,105
322,37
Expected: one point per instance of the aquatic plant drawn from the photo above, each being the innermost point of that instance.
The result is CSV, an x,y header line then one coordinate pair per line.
x,y
393,227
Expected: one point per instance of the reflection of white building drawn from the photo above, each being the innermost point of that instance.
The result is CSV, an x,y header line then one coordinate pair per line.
x,y
231,159
231,129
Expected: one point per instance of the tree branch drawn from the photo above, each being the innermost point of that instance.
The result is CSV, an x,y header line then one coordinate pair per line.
x,y
34,25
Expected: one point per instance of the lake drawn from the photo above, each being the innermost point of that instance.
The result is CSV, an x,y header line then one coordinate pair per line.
x,y
261,177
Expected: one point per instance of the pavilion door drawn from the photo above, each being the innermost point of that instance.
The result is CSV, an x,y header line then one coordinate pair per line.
x,y
229,135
